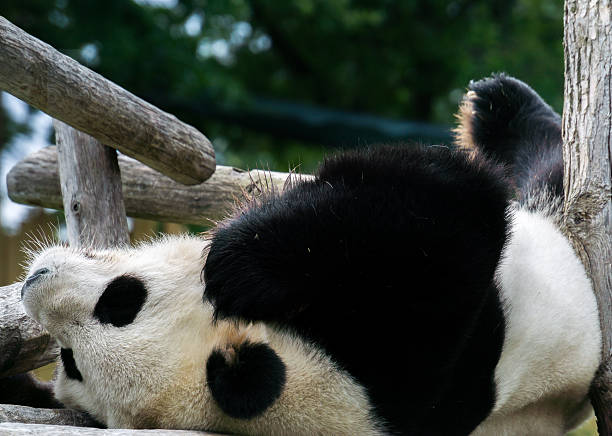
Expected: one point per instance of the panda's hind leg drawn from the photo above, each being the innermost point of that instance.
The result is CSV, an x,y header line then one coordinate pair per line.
x,y
505,119
500,115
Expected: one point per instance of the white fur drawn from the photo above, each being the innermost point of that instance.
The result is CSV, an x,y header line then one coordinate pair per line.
x,y
552,344
152,372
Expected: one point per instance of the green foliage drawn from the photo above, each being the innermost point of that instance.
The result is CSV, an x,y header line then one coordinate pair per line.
x,y
589,428
402,59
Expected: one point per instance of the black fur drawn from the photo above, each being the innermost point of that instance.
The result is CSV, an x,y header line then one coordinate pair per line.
x,y
386,260
26,390
69,363
247,381
512,123
121,301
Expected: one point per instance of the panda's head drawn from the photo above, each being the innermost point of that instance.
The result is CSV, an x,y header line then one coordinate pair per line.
x,y
130,322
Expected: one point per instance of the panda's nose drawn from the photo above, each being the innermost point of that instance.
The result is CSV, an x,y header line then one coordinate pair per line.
x,y
31,279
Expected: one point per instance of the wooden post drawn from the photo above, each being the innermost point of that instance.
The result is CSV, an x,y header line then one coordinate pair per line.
x,y
587,155
91,190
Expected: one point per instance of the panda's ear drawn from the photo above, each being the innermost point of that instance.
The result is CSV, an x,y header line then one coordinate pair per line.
x,y
245,377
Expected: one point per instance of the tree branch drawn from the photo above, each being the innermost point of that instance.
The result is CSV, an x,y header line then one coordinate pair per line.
x,y
40,75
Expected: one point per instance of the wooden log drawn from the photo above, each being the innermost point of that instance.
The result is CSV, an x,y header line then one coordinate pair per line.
x,y
147,194
31,415
56,84
587,155
91,190
24,344
18,429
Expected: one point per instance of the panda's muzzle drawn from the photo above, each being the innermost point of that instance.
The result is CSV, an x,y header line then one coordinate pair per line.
x,y
33,278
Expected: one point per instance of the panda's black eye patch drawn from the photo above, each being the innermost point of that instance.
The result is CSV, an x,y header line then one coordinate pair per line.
x,y
70,365
121,301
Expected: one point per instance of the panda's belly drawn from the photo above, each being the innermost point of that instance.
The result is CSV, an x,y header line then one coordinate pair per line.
x,y
552,345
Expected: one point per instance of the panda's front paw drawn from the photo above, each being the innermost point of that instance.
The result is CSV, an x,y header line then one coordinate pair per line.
x,y
261,266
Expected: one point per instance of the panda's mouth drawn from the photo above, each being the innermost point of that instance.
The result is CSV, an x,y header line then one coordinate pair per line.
x,y
32,279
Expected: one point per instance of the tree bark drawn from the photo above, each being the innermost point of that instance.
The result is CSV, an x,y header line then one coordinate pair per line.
x,y
587,155
24,344
91,190
40,75
148,194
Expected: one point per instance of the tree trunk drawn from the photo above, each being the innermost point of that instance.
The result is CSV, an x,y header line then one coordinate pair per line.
x,y
587,155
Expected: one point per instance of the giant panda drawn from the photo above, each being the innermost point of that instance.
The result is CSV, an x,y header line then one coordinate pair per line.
x,y
415,290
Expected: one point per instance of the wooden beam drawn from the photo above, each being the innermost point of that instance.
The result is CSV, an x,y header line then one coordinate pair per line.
x,y
587,155
24,344
21,429
23,414
56,84
91,190
147,194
